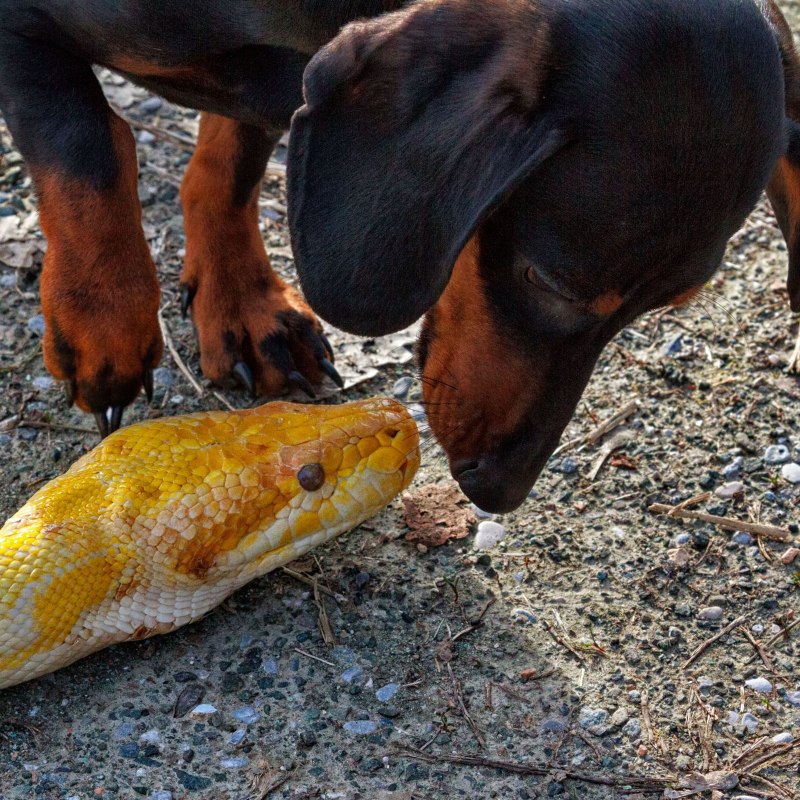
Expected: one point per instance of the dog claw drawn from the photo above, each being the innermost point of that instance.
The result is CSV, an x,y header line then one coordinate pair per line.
x,y
102,423
331,372
116,418
187,295
147,382
300,382
328,347
244,376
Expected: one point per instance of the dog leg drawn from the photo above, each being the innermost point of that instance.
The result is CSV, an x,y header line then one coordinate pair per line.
x,y
99,289
252,326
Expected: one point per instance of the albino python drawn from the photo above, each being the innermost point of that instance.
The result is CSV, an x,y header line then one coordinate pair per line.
x,y
165,519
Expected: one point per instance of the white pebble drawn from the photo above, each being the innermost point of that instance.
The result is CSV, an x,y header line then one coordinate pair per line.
x,y
783,738
759,685
712,613
204,708
791,473
749,722
152,737
489,535
728,490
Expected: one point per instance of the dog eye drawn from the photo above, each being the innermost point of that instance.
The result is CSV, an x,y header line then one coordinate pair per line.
x,y
533,277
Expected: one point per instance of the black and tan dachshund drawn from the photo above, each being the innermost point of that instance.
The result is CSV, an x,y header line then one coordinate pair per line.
x,y
529,174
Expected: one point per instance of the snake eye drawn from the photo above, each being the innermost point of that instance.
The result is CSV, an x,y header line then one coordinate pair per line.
x,y
311,477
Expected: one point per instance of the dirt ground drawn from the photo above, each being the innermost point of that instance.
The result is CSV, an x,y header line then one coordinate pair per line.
x,y
554,664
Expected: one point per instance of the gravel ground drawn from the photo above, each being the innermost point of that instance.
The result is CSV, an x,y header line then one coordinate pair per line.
x,y
555,638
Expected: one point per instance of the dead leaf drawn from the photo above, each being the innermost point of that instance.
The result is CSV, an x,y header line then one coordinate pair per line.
x,y
623,461
437,513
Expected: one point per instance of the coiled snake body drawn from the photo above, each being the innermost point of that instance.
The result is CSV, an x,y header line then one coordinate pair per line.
x,y
165,519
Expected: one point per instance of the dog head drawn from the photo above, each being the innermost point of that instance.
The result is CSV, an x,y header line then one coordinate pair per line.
x,y
532,175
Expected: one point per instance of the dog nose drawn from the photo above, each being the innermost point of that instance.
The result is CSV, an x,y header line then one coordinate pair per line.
x,y
490,487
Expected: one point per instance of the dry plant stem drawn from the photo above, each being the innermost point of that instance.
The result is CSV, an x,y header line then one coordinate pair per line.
x,y
784,633
698,651
635,783
322,619
53,426
767,531
602,429
565,644
758,648
176,356
313,657
298,576
464,713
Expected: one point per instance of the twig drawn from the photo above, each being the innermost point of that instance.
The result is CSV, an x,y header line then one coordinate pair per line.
x,y
615,443
176,356
781,751
322,617
52,426
464,713
510,692
298,576
767,531
758,648
700,649
647,724
478,622
549,628
629,784
602,429
689,502
784,633
315,658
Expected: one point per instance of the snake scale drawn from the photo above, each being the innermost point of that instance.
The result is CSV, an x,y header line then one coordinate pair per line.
x,y
164,519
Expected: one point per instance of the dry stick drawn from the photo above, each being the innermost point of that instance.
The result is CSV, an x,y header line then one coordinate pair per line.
x,y
767,531
549,628
52,426
779,790
460,697
784,633
313,657
782,751
758,648
602,429
298,576
646,723
700,649
176,356
636,783
323,620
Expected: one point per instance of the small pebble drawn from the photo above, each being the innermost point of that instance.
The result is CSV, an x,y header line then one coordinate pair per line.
x,y
733,470
204,708
145,137
489,535
777,454
743,538
402,386
759,685
682,538
233,763
592,718
524,615
569,466
632,729
783,738
237,737
386,693
749,722
151,104
553,726
480,513
793,698
352,674
711,613
151,737
361,727
619,717
790,555
728,490
43,383
791,473
161,794
246,714
36,325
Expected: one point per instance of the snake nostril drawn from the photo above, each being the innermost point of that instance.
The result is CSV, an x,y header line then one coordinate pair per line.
x,y
392,432
311,476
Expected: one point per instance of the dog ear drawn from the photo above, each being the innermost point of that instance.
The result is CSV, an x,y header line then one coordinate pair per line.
x,y
416,125
784,194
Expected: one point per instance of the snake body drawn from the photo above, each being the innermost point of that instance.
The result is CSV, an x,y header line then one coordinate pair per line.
x,y
164,519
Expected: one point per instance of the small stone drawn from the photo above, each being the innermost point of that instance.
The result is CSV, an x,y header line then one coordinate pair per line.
x,y
204,709
145,137
783,738
386,693
353,674
163,376
790,555
632,729
524,615
619,717
553,726
307,738
711,613
641,751
793,698
569,466
361,727
43,383
749,722
151,104
234,763
489,535
36,325
728,490
791,473
151,737
777,454
237,737
402,386
480,513
743,538
682,539
593,720
555,789
746,797
161,794
246,714
733,470
759,685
